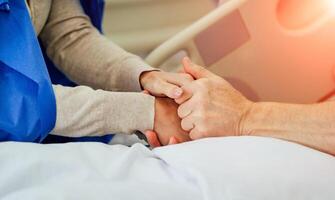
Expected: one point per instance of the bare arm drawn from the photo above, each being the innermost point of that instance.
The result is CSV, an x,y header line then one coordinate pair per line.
x,y
310,125
211,107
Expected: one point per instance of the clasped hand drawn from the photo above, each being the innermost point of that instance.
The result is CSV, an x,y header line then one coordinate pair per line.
x,y
200,104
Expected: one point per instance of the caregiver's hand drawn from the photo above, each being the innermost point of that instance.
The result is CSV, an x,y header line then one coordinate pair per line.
x,y
166,124
164,84
210,106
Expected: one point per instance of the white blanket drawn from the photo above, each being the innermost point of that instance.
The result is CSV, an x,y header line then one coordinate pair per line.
x,y
243,168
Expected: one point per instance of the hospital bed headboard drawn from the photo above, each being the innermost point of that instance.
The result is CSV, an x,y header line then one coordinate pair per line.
x,y
271,50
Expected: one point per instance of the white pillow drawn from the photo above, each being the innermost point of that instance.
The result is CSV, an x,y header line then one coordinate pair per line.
x,y
242,168
254,168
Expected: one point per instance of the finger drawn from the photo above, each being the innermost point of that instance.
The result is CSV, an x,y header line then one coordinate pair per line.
x,y
173,141
181,70
195,70
185,109
187,124
145,92
179,79
187,94
195,134
170,90
152,139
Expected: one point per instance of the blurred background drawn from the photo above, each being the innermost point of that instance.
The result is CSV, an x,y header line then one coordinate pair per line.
x,y
139,26
270,50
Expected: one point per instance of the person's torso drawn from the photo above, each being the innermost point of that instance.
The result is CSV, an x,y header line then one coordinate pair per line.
x,y
39,12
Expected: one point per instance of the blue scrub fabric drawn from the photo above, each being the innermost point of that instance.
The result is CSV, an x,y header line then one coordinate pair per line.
x,y
4,5
94,9
27,106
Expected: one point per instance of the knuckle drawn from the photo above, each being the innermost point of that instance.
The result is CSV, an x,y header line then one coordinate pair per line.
x,y
178,101
201,99
180,111
174,88
170,89
193,135
206,83
202,118
198,117
188,77
162,87
155,83
187,89
184,125
202,85
181,100
198,83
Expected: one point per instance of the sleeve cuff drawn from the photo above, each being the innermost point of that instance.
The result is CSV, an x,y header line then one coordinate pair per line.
x,y
130,72
128,112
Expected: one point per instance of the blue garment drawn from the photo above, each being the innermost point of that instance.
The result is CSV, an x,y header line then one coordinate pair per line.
x,y
94,9
4,6
27,105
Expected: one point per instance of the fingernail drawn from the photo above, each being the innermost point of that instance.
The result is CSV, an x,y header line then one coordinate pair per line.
x,y
178,92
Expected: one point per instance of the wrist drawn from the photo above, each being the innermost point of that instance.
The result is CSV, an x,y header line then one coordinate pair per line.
x,y
247,122
145,77
158,106
264,119
116,107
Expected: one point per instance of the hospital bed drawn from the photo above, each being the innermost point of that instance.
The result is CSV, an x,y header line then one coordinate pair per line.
x,y
214,169
246,168
139,26
270,50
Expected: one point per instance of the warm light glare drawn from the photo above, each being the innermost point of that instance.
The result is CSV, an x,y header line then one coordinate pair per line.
x,y
332,5
297,14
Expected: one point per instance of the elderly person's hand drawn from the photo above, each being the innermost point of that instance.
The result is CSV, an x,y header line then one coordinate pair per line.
x,y
164,84
210,106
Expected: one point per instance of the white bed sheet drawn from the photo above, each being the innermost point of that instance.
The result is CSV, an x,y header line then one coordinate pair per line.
x,y
242,168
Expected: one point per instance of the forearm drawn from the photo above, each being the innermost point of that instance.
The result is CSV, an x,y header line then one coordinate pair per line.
x,y
310,125
82,111
86,56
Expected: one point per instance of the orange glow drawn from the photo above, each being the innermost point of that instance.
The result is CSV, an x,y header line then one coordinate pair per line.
x,y
332,5
295,14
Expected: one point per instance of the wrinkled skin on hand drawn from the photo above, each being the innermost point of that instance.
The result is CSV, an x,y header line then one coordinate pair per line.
x,y
210,106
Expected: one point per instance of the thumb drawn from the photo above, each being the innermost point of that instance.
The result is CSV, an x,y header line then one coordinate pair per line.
x,y
170,90
195,70
152,138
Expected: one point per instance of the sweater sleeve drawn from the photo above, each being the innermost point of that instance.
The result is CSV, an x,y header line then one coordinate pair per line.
x,y
86,56
82,111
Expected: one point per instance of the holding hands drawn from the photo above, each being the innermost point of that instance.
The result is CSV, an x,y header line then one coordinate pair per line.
x,y
166,87
210,106
205,105
164,84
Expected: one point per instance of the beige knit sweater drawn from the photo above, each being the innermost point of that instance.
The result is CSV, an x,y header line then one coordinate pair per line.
x,y
93,61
